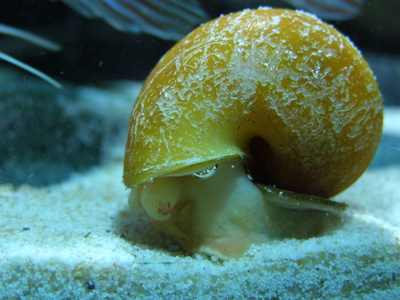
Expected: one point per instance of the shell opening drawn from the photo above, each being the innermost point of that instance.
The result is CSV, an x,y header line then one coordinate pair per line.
x,y
262,168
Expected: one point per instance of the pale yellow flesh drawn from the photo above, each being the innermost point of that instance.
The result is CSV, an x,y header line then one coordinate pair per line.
x,y
221,215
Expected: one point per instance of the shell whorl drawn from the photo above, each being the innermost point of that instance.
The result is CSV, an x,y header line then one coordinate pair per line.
x,y
278,85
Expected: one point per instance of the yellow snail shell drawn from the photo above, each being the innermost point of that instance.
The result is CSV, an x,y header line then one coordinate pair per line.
x,y
277,93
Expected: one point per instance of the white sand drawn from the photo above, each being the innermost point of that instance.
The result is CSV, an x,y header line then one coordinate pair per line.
x,y
81,232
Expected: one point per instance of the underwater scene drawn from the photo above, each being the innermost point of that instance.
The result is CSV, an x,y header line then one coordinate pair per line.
x,y
199,149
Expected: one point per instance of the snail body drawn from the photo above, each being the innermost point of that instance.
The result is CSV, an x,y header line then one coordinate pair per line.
x,y
278,95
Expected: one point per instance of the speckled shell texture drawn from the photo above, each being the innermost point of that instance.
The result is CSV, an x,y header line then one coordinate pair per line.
x,y
283,76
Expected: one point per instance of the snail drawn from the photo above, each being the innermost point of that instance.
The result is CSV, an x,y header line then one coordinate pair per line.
x,y
256,107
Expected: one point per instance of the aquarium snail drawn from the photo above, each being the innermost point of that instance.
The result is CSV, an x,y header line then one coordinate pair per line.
x,y
264,105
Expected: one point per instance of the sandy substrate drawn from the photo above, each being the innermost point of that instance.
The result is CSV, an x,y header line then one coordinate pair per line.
x,y
78,239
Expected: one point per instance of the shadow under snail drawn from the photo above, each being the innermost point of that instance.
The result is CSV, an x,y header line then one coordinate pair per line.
x,y
281,102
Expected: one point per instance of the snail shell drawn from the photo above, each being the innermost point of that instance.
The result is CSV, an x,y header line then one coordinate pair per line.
x,y
279,89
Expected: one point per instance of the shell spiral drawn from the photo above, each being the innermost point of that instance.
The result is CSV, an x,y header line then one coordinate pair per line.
x,y
278,86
